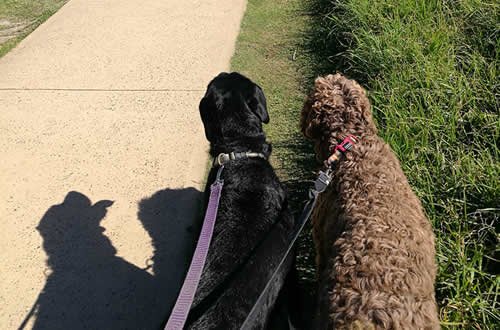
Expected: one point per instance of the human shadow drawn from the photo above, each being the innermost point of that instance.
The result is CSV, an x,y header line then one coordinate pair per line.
x,y
89,287
173,219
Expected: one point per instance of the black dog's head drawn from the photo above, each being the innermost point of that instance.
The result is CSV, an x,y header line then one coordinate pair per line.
x,y
233,109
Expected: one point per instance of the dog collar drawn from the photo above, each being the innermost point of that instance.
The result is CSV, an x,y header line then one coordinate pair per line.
x,y
223,158
340,149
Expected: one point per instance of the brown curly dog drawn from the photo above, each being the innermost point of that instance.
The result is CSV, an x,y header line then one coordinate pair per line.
x,y
375,247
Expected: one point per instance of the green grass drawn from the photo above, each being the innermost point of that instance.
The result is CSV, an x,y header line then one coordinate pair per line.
x,y
432,71
29,13
271,31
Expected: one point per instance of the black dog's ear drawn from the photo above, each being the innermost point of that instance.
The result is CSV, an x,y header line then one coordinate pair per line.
x,y
206,118
258,105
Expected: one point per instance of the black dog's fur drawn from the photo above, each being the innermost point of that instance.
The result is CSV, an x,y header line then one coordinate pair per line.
x,y
253,222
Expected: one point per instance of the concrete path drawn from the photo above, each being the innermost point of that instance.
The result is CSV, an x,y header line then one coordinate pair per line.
x,y
102,159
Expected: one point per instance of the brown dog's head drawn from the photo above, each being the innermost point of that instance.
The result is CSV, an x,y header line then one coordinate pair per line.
x,y
336,108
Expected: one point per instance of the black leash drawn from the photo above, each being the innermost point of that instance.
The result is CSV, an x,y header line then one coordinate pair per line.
x,y
320,185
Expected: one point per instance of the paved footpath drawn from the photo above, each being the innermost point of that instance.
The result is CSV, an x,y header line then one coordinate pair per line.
x,y
102,159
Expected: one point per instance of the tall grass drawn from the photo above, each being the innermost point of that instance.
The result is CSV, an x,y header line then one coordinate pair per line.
x,y
432,71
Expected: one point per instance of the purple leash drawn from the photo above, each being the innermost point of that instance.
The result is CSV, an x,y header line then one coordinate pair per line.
x,y
185,299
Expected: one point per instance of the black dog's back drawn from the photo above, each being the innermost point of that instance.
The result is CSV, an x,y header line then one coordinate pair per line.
x,y
250,235
253,223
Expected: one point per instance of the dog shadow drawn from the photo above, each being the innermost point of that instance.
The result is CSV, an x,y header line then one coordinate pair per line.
x,y
173,219
89,287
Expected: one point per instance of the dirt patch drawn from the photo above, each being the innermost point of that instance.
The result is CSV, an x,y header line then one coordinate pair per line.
x,y
9,29
18,18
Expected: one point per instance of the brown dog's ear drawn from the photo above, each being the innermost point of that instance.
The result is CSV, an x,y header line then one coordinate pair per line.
x,y
310,123
304,115
258,105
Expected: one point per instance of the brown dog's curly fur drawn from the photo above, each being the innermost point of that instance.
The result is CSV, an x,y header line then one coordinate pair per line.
x,y
375,247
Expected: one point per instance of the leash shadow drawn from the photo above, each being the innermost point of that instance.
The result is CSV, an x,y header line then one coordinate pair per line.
x,y
89,287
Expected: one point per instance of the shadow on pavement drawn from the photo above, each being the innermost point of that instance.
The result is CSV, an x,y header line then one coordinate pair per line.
x,y
89,287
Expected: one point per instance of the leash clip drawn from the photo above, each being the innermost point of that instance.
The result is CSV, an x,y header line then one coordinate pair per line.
x,y
220,159
219,172
321,183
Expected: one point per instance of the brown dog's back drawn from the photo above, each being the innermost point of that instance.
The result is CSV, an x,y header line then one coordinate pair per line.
x,y
375,247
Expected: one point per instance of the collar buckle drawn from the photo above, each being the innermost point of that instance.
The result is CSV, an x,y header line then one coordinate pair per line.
x,y
341,149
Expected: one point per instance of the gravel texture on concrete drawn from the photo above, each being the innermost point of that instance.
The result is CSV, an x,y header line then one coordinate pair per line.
x,y
103,158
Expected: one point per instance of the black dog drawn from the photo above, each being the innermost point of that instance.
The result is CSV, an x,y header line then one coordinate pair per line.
x,y
253,223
